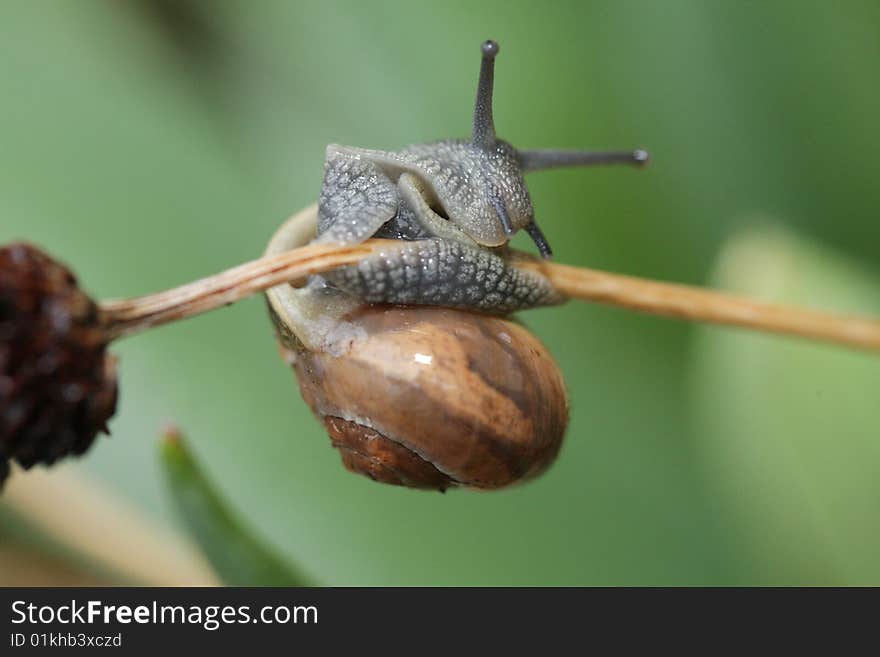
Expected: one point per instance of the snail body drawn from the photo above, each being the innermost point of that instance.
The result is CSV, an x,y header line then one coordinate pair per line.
x,y
420,396
453,205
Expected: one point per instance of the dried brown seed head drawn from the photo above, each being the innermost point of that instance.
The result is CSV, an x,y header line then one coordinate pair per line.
x,y
57,381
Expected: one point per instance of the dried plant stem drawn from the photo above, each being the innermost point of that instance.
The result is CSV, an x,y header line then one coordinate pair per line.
x,y
128,316
703,305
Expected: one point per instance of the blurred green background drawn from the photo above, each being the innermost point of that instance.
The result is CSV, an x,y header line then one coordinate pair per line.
x,y
151,142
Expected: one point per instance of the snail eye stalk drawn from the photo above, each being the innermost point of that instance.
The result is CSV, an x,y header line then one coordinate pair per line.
x,y
483,134
540,160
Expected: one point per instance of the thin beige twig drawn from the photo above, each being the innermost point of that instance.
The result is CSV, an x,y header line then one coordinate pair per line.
x,y
128,316
703,305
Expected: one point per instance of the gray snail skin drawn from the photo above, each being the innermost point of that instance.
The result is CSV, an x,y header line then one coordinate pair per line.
x,y
453,205
407,357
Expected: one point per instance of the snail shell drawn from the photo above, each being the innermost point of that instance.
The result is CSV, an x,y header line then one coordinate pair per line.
x,y
419,396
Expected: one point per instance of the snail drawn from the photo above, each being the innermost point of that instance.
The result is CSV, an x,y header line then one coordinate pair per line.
x,y
407,357
419,396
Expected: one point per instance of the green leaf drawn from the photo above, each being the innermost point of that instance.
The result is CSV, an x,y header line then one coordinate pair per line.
x,y
790,430
239,558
